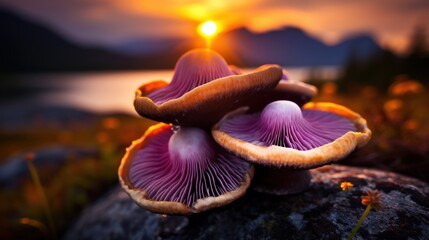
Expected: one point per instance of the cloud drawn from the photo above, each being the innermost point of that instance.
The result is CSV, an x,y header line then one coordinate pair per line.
x,y
101,21
390,21
111,21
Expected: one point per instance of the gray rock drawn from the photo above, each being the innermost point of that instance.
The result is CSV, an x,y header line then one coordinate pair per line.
x,y
322,212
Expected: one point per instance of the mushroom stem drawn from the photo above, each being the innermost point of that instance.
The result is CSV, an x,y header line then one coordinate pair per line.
x,y
281,181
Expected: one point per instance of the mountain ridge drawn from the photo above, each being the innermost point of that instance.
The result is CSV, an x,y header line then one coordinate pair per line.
x,y
32,47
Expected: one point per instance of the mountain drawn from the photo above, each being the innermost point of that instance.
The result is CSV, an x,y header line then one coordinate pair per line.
x,y
291,46
147,46
29,46
26,45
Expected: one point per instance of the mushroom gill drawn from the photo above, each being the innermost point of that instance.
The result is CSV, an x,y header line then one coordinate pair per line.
x,y
182,172
286,140
193,69
284,124
283,135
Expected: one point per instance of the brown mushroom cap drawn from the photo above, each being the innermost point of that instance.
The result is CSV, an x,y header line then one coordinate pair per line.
x,y
287,89
191,146
273,155
206,103
295,91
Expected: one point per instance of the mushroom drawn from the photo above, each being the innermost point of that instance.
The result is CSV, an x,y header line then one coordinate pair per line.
x,y
291,139
182,172
286,89
202,90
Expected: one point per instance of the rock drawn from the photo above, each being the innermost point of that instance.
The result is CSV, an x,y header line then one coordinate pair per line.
x,y
322,212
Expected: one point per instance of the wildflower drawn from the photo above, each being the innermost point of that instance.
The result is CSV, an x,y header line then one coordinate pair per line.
x,y
29,156
346,185
411,125
103,137
403,85
329,88
34,223
392,109
372,198
110,123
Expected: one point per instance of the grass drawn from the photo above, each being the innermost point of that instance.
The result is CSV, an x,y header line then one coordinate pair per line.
x,y
41,193
69,187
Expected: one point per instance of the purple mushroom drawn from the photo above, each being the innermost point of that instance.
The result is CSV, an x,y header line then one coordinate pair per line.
x,y
202,90
287,89
182,172
291,139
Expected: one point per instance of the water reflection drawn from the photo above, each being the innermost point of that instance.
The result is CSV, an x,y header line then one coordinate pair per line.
x,y
100,92
107,91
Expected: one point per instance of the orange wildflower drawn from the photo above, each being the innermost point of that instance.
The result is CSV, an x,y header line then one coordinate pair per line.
x,y
372,198
346,185
29,156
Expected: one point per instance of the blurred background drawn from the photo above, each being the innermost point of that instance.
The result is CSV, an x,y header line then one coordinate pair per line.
x,y
68,71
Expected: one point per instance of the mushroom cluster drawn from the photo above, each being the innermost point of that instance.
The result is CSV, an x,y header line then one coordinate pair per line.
x,y
217,124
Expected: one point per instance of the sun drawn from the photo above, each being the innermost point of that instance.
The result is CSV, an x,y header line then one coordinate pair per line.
x,y
208,29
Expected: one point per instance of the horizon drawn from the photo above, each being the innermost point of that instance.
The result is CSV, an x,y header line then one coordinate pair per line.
x,y
113,23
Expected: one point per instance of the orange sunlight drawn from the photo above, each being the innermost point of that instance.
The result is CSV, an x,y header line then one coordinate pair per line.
x,y
329,22
208,30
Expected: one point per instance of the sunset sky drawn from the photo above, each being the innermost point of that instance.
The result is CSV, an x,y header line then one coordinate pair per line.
x,y
113,21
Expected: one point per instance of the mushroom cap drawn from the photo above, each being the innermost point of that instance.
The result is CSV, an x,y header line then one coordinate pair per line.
x,y
285,135
290,90
286,89
182,172
202,90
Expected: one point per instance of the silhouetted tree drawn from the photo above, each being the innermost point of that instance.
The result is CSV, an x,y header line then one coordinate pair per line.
x,y
417,60
418,45
381,69
378,71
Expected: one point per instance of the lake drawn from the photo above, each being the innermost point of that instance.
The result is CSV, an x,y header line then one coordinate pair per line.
x,y
112,91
